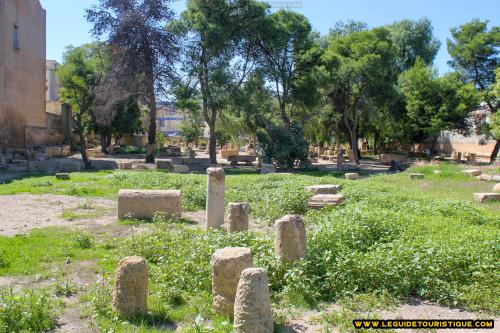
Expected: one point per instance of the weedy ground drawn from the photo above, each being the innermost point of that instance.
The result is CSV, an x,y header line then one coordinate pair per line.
x,y
393,239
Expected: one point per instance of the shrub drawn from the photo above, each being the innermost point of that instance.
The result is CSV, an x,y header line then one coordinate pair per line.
x,y
28,312
282,145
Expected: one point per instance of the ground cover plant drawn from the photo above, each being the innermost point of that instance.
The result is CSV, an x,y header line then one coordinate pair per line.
x,y
393,236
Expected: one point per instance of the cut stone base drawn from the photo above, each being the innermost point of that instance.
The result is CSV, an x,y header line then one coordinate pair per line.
x,y
352,176
322,200
164,164
144,204
62,175
416,176
486,197
180,168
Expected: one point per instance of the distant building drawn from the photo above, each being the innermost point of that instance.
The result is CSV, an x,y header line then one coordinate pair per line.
x,y
23,118
168,119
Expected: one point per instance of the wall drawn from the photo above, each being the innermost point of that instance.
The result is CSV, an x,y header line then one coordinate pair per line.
x,y
22,73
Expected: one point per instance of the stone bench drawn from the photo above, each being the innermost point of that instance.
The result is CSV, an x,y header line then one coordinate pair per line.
x,y
143,204
235,159
485,197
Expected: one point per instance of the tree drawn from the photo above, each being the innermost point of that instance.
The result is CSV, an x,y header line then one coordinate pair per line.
x,y
412,40
216,52
474,51
359,69
187,100
135,30
435,103
80,75
128,119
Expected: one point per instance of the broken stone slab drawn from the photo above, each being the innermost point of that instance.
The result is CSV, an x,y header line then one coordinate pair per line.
x,y
496,188
144,204
227,265
267,168
143,166
290,238
495,178
322,200
237,217
324,189
416,176
484,177
130,294
180,168
252,306
352,176
164,164
472,172
62,175
485,197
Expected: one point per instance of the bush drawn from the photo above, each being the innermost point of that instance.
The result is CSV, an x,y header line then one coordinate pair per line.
x,y
28,312
282,145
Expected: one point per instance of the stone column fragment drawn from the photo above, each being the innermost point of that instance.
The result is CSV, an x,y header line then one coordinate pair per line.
x,y
227,265
252,307
290,238
237,217
131,287
215,198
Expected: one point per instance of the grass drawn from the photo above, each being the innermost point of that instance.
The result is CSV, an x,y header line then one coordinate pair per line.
x,y
38,251
393,237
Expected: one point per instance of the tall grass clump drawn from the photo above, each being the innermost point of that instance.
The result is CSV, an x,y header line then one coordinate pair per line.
x,y
28,312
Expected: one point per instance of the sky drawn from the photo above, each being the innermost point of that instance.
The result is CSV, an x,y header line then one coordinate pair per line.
x,y
66,24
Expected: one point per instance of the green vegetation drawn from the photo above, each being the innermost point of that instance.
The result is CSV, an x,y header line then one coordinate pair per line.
x,y
28,312
393,238
41,249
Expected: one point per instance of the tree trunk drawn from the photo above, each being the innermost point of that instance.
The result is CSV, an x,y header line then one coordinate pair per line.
x,y
104,143
150,152
494,153
212,143
354,147
83,142
376,142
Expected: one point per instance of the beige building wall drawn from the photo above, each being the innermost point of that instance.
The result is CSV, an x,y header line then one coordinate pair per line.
x,y
23,120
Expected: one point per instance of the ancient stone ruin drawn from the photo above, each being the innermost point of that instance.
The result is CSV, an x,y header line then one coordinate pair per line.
x,y
352,176
485,197
144,204
62,175
472,172
290,238
237,217
131,287
227,265
319,201
416,176
324,189
215,198
252,307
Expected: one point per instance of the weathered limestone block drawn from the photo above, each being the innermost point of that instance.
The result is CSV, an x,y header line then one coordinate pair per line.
x,y
416,176
143,204
324,189
227,265
267,168
456,156
472,172
164,164
322,200
131,287
496,188
290,238
62,175
352,176
215,198
485,197
180,168
484,177
252,308
496,178
237,217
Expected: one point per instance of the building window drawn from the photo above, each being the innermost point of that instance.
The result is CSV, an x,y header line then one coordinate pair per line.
x,y
16,37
